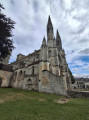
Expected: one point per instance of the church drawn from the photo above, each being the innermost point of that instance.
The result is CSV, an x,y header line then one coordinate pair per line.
x,y
45,70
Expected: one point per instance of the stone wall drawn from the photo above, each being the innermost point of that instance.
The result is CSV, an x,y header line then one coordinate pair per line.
x,y
78,94
6,78
51,83
18,78
20,56
31,83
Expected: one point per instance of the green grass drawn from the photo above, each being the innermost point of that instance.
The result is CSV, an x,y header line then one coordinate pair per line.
x,y
30,105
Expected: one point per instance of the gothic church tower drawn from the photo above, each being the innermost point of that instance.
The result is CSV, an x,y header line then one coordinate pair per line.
x,y
53,64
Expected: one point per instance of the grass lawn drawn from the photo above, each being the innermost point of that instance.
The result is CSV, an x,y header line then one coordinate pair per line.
x,y
29,105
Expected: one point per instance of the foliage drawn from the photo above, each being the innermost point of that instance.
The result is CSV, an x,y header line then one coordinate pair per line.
x,y
6,26
26,105
72,77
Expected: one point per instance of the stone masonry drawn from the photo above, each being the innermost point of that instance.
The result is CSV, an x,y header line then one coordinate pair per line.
x,y
46,69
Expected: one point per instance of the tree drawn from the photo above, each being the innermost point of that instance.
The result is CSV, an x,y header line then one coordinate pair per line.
x,y
72,77
6,43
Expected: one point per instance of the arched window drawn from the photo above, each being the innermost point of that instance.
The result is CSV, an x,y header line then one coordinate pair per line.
x,y
29,82
24,73
49,53
59,58
15,75
32,69
20,72
20,75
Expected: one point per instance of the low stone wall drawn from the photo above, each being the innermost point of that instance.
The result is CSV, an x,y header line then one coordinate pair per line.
x,y
78,94
6,78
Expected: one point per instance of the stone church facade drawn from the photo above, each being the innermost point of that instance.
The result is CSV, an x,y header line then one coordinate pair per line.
x,y
45,70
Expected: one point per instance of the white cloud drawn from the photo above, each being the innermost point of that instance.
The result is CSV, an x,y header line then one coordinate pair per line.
x,y
71,17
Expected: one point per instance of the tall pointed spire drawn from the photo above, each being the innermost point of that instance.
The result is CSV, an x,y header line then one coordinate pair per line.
x,y
49,21
58,40
49,25
44,42
50,34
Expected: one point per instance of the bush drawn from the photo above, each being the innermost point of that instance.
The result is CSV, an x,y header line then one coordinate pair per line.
x,y
72,77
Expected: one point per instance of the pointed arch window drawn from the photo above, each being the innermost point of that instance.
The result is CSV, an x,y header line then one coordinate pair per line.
x,y
33,70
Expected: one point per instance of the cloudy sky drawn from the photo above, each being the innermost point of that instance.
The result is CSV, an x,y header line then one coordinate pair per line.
x,y
70,17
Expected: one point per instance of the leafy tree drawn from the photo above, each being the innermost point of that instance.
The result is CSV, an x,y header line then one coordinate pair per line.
x,y
6,43
72,77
